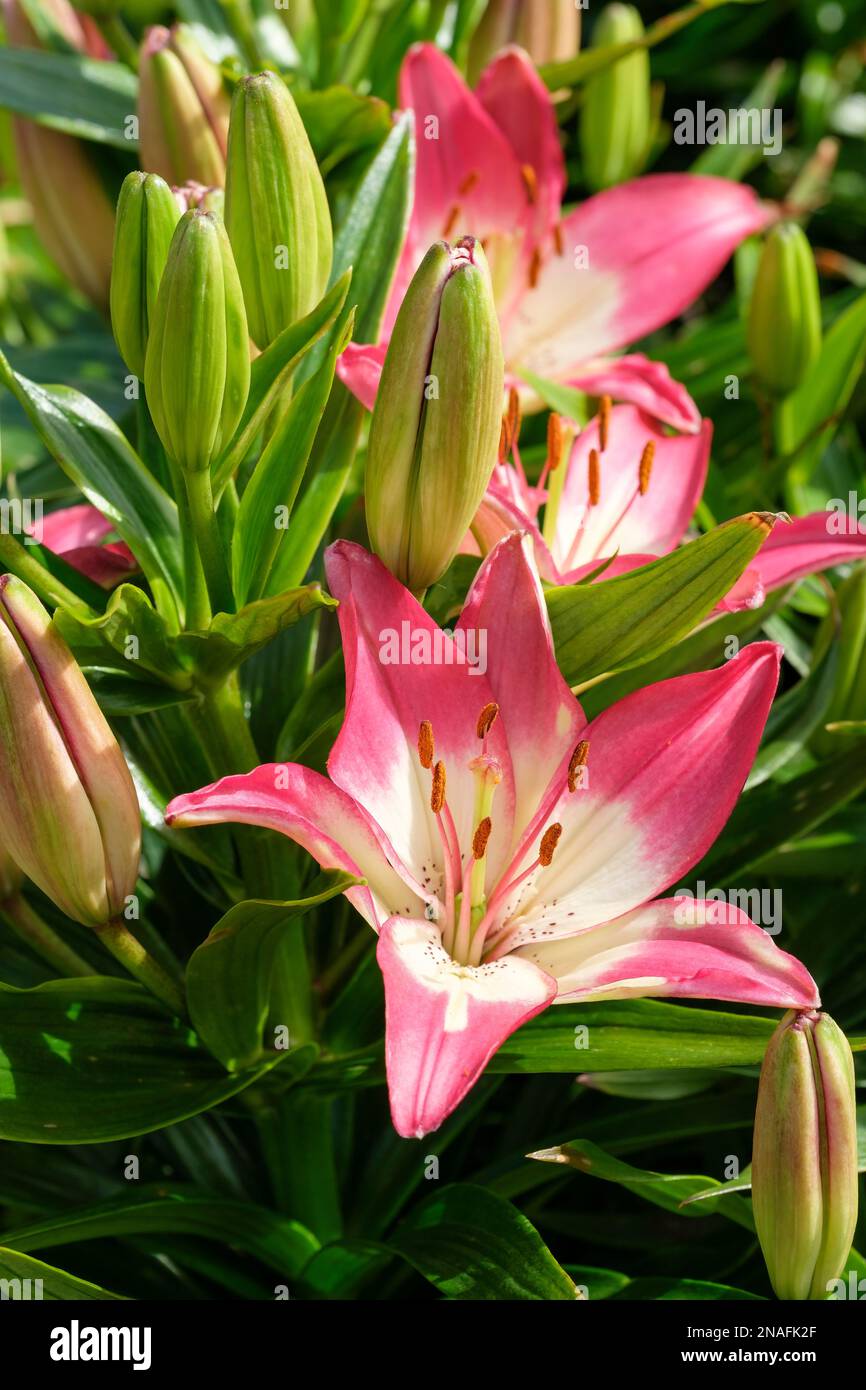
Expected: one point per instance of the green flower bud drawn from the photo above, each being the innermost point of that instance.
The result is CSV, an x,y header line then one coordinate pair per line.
x,y
804,1157
183,108
784,329
848,700
616,118
434,435
276,210
197,368
68,810
147,214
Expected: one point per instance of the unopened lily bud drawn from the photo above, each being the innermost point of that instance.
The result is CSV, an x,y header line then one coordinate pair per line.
x,y
147,215
616,118
435,430
183,108
804,1156
68,810
848,629
197,368
276,211
549,31
784,328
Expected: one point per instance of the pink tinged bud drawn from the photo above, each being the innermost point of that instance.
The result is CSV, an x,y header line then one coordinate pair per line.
x,y
68,809
804,1159
183,109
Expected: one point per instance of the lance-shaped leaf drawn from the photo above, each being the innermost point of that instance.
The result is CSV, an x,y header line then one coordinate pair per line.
x,y
92,1059
599,628
81,96
231,975
100,461
20,1275
129,637
232,637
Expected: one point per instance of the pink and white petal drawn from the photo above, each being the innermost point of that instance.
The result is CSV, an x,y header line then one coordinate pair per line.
x,y
106,565
359,367
71,528
541,717
497,516
401,670
314,813
638,380
620,564
681,949
807,545
464,161
513,94
666,765
747,592
444,1021
622,519
633,258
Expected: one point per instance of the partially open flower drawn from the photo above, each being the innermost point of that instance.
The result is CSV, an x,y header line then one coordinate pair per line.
x,y
435,429
69,815
804,1157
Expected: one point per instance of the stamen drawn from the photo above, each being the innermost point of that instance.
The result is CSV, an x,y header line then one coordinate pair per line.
x,y
646,466
604,408
437,791
577,764
554,441
486,719
468,183
513,416
558,242
549,841
503,441
451,221
529,178
480,838
425,743
594,478
534,268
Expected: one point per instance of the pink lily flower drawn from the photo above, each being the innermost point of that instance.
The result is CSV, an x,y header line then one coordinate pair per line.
x,y
570,291
632,501
512,853
78,534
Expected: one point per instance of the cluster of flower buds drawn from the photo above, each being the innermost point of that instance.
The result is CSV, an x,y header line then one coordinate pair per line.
x,y
147,214
804,1156
616,117
784,329
550,31
69,815
435,431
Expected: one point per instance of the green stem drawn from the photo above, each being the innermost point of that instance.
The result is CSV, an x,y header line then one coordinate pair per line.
x,y
198,611
206,530
41,938
139,962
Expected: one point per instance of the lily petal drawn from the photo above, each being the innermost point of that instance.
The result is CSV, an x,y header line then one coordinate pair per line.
x,y
78,534
678,949
317,815
633,258
666,765
622,519
805,546
400,671
444,1021
635,378
359,367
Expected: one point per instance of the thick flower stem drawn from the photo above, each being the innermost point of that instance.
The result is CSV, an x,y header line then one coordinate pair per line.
x,y
206,530
139,962
198,610
41,938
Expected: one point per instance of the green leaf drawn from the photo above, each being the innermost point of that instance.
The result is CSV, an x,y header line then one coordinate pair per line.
x,y
686,1290
734,159
340,1269
272,371
570,403
283,1245
91,1059
808,419
471,1244
605,627
666,1190
341,123
106,638
232,637
21,1276
794,717
230,976
632,1035
81,96
776,812
275,483
92,452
